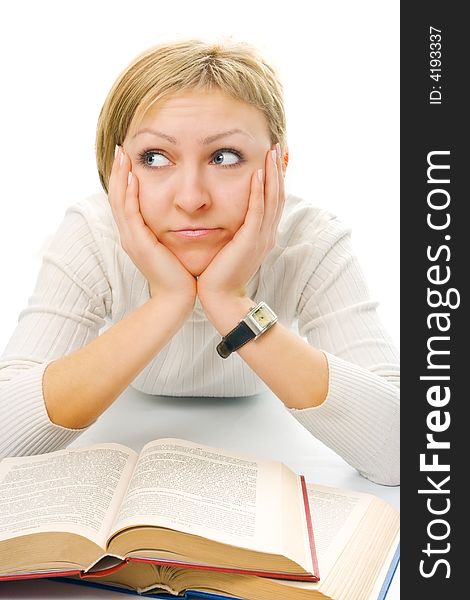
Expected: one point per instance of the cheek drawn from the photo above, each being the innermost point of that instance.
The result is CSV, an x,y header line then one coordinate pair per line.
x,y
153,216
233,197
151,205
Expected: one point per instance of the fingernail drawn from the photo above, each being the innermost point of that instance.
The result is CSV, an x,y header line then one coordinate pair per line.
x,y
121,157
260,175
278,150
129,178
274,156
116,150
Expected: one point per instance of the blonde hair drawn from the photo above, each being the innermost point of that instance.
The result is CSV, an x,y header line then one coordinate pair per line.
x,y
236,68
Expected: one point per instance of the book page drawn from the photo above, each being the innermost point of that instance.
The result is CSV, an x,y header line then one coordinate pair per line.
x,y
75,491
196,489
335,514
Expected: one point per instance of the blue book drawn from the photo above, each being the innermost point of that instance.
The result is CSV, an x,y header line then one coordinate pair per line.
x,y
188,595
390,573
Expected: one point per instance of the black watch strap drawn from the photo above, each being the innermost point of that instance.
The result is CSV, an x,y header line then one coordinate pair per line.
x,y
240,335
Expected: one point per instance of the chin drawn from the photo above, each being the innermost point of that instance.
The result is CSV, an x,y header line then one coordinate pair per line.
x,y
195,264
198,269
196,260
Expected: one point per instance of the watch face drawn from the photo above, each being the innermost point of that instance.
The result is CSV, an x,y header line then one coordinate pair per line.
x,y
263,316
260,318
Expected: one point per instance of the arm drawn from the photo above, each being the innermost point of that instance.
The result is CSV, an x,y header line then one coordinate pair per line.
x,y
295,371
94,376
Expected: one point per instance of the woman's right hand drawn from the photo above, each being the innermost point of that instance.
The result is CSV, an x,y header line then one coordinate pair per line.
x,y
165,274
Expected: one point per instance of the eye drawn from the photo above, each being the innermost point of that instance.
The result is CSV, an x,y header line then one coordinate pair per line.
x,y
227,157
153,159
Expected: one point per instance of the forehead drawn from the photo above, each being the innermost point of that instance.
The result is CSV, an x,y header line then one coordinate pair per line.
x,y
203,111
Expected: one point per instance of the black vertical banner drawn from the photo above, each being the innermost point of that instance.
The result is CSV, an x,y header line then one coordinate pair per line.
x,y
435,267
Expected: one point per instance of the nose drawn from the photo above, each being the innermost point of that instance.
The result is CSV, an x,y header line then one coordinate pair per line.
x,y
191,193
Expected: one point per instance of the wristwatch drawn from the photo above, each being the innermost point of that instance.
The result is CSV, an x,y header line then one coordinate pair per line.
x,y
259,319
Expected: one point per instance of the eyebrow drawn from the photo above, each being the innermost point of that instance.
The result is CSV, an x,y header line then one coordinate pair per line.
x,y
203,141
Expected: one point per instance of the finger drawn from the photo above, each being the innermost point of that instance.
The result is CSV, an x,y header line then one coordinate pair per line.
x,y
131,211
125,203
271,194
118,183
281,188
113,183
117,194
255,212
133,215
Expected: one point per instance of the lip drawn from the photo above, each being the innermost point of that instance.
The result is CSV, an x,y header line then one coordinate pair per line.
x,y
195,232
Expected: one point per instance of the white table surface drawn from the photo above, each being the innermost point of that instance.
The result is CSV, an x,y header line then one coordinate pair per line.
x,y
258,425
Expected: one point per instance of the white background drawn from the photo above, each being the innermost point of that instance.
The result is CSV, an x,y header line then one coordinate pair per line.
x,y
338,60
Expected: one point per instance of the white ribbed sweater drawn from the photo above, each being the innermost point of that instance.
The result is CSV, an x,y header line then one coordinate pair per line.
x,y
312,281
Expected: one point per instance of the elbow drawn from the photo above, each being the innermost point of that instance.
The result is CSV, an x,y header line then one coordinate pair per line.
x,y
388,476
26,427
384,468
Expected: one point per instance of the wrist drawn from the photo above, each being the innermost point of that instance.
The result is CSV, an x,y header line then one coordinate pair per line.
x,y
226,311
258,320
179,305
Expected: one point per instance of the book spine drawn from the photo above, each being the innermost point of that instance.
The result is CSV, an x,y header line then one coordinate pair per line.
x,y
311,538
104,572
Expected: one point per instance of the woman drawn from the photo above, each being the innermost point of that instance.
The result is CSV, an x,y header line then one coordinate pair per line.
x,y
200,265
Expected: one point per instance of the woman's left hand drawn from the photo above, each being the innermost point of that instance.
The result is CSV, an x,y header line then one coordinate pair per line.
x,y
229,271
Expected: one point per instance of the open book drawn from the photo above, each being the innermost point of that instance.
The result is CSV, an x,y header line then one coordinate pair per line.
x,y
104,510
357,543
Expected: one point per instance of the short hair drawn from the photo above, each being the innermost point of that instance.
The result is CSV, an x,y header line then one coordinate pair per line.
x,y
233,67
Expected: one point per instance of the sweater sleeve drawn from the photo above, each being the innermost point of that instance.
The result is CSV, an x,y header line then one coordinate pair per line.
x,y
359,419
66,311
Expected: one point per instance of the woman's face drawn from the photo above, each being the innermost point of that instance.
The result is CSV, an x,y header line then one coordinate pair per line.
x,y
194,155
